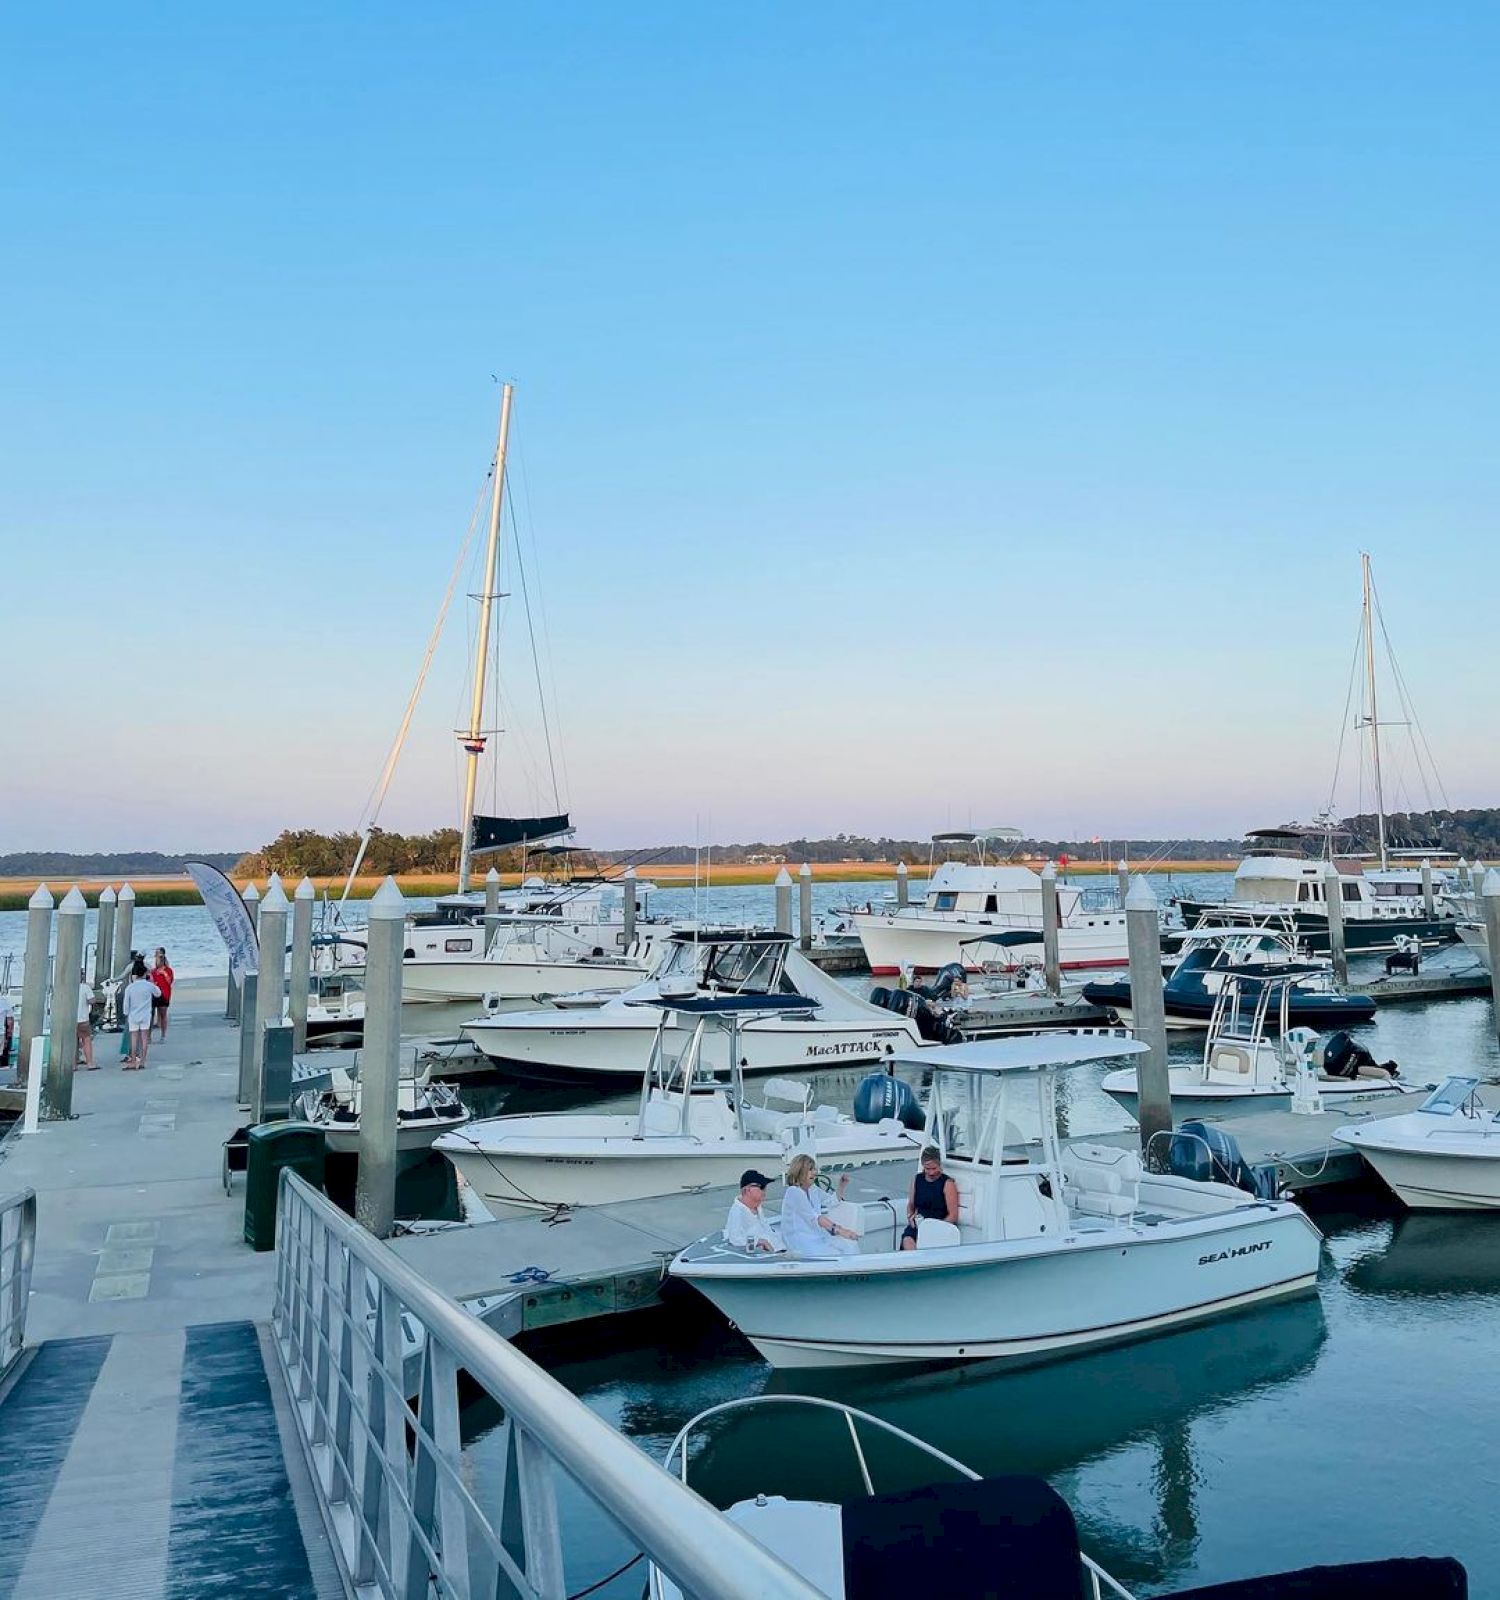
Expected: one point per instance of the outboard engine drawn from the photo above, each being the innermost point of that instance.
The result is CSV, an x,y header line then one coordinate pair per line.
x,y
1207,1154
934,1026
1341,1057
944,980
883,1095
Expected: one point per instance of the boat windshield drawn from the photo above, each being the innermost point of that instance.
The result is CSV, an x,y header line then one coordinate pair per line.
x,y
978,1112
1453,1094
748,968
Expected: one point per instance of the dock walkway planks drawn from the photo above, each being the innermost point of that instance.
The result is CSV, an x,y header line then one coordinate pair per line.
x,y
142,1455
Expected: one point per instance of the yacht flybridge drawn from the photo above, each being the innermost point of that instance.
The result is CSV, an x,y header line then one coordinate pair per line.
x,y
1058,1247
816,1021
692,1129
965,901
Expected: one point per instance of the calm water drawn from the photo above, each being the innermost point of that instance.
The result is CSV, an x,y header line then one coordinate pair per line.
x,y
1356,1423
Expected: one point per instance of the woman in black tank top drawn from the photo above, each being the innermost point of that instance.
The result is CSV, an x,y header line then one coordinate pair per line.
x,y
933,1194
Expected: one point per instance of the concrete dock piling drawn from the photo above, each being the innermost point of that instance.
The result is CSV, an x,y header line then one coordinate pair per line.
x,y
1333,905
1489,898
34,974
783,901
1429,900
804,907
492,893
251,897
245,990
270,998
627,888
300,987
1149,1014
1122,880
124,928
1051,924
104,939
67,970
903,884
380,1063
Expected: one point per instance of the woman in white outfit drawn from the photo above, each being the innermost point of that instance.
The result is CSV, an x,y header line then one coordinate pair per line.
x,y
806,1228
137,1001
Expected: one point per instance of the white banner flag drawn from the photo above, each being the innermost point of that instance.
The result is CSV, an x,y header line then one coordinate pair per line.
x,y
230,917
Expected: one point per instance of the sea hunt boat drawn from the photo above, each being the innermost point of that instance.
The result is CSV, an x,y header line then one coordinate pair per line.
x,y
936,1525
1444,1156
691,1131
1212,955
424,1111
828,1026
1254,1059
965,900
1058,1247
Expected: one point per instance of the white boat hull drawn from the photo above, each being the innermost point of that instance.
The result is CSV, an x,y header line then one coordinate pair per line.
x,y
1442,1177
520,1174
1191,1096
517,983
915,941
343,1138
1018,1301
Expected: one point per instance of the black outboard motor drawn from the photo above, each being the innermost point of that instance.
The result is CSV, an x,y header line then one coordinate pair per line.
x,y
1206,1154
935,1026
1340,1057
943,980
883,1095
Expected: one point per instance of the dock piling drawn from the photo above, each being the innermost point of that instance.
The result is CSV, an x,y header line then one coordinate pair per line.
x,y
245,991
301,979
627,887
1490,901
1429,901
270,997
1333,905
34,974
67,970
1051,958
1149,1014
903,885
804,907
783,901
124,927
1122,880
380,1064
104,940
492,893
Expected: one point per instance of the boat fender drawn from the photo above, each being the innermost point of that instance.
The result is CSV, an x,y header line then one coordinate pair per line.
x,y
882,1095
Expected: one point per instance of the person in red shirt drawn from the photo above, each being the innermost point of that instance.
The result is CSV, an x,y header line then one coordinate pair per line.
x,y
162,976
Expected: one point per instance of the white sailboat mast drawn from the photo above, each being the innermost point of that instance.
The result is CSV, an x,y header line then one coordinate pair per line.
x,y
1374,717
473,739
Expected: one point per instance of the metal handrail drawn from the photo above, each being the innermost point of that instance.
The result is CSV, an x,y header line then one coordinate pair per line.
x,y
348,1314
17,1252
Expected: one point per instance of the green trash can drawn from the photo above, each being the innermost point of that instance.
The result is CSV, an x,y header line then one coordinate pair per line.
x,y
274,1145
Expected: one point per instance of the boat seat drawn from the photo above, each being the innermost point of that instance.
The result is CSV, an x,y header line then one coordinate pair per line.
x,y
758,1119
1230,1061
786,1090
1101,1180
933,1233
661,1117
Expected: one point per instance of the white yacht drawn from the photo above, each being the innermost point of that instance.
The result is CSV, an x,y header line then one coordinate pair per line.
x,y
966,901
691,1131
1254,1060
613,1041
1444,1156
1058,1247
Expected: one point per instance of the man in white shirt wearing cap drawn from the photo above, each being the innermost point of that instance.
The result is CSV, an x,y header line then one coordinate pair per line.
x,y
747,1228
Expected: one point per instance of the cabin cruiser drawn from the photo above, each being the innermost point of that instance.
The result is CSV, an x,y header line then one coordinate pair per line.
x,y
424,1110
1212,955
965,900
829,1027
1444,1156
1057,1247
1277,881
1255,1059
933,1523
692,1130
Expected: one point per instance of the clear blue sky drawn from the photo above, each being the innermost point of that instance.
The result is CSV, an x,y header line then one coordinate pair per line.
x,y
925,414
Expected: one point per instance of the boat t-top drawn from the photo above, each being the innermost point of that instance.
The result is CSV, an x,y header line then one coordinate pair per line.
x,y
692,1130
1057,1248
1255,1059
965,900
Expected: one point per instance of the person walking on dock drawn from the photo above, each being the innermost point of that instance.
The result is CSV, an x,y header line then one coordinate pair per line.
x,y
86,1023
139,993
163,977
7,1028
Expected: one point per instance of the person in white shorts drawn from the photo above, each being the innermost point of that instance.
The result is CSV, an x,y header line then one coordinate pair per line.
x,y
139,993
85,1023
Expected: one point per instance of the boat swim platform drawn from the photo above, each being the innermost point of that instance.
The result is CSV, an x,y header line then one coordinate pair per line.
x,y
146,1445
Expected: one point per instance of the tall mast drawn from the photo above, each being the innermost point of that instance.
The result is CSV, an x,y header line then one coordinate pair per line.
x,y
1374,719
474,739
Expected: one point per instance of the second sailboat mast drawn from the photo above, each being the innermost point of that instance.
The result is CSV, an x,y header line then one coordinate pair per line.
x,y
1364,562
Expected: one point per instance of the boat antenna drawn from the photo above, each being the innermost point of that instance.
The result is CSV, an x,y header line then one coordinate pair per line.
x,y
473,738
1374,714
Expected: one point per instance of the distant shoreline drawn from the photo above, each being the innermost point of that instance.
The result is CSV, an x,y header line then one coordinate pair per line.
x,y
172,890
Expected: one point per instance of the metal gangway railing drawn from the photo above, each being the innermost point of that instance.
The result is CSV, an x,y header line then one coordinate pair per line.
x,y
357,1331
17,1252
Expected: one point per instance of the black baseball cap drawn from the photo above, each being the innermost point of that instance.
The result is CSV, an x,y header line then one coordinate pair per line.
x,y
758,1178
